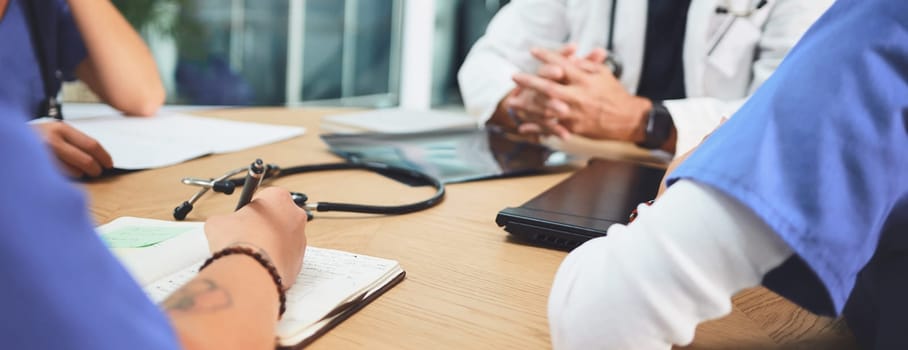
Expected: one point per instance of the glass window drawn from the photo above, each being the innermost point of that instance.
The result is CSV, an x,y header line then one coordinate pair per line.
x,y
459,24
304,52
246,52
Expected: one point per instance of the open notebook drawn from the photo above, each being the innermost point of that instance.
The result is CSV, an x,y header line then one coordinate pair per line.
x,y
332,285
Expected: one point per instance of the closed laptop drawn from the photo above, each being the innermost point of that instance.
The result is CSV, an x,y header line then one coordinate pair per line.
x,y
584,205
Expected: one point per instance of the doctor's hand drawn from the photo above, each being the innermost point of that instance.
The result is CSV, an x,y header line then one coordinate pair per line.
x,y
79,154
527,106
588,100
271,224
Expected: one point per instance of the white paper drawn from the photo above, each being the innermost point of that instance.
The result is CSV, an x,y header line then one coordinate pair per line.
x,y
152,263
395,121
153,142
77,110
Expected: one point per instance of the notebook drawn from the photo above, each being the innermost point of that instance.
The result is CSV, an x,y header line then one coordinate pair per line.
x,y
584,205
333,284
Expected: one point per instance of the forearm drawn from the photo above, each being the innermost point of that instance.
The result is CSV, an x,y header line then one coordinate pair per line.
x,y
119,67
231,304
647,285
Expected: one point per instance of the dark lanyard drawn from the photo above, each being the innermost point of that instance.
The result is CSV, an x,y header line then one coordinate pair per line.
x,y
613,61
49,106
611,28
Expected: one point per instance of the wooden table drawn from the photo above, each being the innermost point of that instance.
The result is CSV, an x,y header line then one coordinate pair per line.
x,y
467,286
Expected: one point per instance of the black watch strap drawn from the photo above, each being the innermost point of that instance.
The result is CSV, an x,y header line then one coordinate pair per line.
x,y
659,127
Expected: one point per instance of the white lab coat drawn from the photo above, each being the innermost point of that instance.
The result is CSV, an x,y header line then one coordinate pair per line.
x,y
716,84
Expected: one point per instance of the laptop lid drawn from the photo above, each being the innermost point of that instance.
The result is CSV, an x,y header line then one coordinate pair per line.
x,y
584,205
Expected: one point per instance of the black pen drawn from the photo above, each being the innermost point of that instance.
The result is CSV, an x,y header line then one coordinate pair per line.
x,y
254,177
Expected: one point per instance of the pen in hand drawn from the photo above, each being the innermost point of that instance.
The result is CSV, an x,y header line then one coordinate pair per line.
x,y
254,177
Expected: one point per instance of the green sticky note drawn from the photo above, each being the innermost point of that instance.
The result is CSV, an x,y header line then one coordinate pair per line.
x,y
141,236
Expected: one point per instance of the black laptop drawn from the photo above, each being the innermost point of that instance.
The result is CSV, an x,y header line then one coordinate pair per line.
x,y
583,206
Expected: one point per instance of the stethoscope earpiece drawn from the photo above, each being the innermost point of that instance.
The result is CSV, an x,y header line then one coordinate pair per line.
x,y
182,210
225,187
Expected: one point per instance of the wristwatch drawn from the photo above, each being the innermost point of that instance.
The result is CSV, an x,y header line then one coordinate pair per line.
x,y
659,127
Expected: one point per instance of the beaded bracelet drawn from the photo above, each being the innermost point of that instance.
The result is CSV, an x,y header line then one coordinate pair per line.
x,y
261,260
633,215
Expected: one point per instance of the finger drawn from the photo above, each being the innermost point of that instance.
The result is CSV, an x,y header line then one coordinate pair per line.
x,y
529,129
558,130
71,171
547,56
88,145
589,66
530,115
525,106
557,109
274,195
597,55
544,86
277,201
551,72
77,159
568,50
571,71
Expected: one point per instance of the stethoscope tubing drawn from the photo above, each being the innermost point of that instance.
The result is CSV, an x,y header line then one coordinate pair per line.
x,y
275,172
369,166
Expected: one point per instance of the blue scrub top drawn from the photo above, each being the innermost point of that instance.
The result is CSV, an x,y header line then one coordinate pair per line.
x,y
820,153
21,86
62,288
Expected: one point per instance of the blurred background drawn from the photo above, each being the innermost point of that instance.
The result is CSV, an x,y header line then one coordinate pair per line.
x,y
308,52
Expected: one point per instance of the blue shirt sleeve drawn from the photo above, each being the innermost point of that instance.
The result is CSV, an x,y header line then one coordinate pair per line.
x,y
71,48
62,288
820,151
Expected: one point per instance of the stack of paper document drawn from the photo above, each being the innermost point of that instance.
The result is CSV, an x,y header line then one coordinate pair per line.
x,y
153,142
396,121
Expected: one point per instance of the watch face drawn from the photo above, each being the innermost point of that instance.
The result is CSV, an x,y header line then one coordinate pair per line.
x,y
658,127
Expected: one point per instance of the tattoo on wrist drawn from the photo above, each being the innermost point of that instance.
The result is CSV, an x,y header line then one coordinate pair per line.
x,y
199,295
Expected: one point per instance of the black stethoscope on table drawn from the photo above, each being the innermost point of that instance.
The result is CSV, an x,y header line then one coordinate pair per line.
x,y
616,65
226,184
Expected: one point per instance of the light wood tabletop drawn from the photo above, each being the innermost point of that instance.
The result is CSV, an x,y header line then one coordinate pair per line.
x,y
467,285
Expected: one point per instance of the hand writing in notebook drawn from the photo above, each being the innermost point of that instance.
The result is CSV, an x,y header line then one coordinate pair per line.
x,y
272,225
238,289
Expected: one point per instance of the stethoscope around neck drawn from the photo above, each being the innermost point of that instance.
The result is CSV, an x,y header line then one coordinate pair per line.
x,y
50,106
226,184
613,60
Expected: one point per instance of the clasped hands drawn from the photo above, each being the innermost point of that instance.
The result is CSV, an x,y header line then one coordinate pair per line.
x,y
576,95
